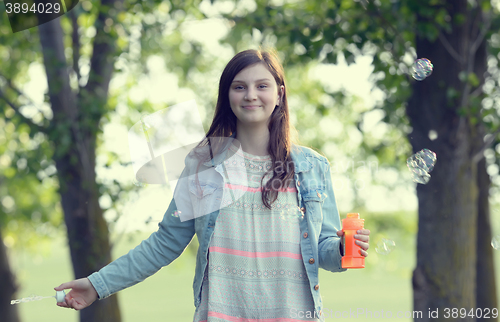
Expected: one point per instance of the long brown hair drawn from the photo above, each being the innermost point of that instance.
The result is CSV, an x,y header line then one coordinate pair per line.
x,y
281,133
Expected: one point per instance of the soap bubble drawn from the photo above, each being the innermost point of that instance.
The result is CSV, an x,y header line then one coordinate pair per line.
x,y
421,69
385,246
495,242
424,159
420,164
420,176
176,213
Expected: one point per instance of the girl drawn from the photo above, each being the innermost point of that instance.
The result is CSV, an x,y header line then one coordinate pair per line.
x,y
263,210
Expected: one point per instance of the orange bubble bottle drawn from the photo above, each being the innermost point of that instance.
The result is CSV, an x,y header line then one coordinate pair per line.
x,y
352,258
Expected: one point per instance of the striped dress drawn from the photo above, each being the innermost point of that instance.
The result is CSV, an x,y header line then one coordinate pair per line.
x,y
255,270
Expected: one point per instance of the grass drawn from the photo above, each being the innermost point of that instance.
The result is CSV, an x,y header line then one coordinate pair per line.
x,y
383,286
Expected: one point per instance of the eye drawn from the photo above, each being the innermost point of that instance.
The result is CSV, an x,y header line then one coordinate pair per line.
x,y
263,86
238,87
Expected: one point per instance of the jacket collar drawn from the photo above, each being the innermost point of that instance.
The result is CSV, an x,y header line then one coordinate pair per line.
x,y
299,156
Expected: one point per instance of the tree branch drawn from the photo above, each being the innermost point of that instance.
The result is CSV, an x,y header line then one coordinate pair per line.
x,y
101,63
471,59
76,44
477,91
481,36
15,89
450,49
26,120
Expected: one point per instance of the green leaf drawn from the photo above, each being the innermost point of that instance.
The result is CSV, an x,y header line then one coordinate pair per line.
x,y
473,80
462,76
451,93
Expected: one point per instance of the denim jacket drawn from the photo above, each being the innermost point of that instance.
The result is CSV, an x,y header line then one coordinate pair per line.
x,y
320,245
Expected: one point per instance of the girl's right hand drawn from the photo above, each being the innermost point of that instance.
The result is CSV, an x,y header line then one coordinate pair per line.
x,y
82,294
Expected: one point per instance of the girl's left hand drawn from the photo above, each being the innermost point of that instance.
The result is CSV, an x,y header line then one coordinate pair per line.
x,y
362,240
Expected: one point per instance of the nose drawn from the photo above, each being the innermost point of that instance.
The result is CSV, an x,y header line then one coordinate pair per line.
x,y
251,94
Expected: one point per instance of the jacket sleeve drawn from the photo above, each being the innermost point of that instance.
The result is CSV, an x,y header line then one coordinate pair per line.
x,y
158,250
329,243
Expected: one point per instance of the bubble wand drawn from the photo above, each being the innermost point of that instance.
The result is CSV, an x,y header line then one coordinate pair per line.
x,y
59,298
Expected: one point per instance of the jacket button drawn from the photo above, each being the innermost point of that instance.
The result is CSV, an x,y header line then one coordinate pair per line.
x,y
303,209
319,196
316,287
311,261
298,183
305,235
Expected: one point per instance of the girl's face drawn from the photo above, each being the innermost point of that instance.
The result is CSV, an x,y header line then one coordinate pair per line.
x,y
254,94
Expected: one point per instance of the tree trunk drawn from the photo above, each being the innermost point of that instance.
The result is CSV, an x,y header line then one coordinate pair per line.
x,y
75,142
7,287
445,274
87,232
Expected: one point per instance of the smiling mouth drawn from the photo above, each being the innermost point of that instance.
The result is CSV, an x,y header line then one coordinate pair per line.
x,y
251,107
